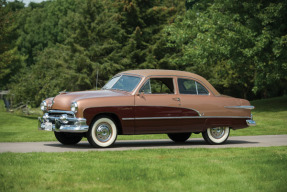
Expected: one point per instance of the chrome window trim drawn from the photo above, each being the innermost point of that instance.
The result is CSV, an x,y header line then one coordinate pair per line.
x,y
196,87
186,117
240,107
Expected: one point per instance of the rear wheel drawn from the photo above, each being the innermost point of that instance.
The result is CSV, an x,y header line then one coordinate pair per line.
x,y
68,138
216,135
179,137
102,132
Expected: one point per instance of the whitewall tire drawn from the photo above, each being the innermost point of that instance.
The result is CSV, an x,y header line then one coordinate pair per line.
x,y
216,135
102,132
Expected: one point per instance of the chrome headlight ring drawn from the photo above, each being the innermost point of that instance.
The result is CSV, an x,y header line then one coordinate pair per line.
x,y
43,106
52,102
74,107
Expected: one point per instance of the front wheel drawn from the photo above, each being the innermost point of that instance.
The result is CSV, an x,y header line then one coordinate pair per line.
x,y
68,138
216,135
102,132
179,137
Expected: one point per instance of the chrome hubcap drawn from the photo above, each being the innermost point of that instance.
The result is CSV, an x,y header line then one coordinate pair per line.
x,y
103,132
217,132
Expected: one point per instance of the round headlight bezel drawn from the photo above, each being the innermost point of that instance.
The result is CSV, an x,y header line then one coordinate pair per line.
x,y
74,107
53,101
44,106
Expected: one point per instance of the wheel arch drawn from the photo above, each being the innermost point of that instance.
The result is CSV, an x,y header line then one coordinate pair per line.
x,y
113,116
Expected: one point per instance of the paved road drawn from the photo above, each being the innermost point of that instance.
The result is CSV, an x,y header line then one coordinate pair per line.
x,y
239,141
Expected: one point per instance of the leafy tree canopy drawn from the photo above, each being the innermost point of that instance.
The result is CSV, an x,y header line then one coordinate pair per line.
x,y
240,46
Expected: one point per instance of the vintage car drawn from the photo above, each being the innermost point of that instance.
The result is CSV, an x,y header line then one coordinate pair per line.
x,y
169,102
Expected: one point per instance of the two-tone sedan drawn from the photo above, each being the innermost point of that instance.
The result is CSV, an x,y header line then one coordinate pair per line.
x,y
134,102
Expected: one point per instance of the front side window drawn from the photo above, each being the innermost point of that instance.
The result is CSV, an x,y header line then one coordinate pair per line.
x,y
188,86
158,86
123,83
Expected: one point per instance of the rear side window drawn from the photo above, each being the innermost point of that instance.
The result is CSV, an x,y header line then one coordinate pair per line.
x,y
188,86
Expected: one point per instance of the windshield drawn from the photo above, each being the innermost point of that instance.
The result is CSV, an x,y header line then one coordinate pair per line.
x,y
123,82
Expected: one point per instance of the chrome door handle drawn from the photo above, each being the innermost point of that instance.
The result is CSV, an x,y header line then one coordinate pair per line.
x,y
176,99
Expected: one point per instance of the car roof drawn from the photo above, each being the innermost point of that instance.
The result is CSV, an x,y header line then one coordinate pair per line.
x,y
161,72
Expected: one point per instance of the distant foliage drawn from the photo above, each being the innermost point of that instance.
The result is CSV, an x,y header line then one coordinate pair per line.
x,y
64,43
240,46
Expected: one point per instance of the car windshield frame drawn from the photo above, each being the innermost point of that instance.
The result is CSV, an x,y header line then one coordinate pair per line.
x,y
126,83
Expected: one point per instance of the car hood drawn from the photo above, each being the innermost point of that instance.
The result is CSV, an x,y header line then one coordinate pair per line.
x,y
63,100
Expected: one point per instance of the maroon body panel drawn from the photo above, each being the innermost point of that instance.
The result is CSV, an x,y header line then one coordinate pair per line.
x,y
159,119
120,111
234,123
133,124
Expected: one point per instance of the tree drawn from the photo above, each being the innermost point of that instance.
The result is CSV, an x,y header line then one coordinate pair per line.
x,y
239,46
10,59
51,75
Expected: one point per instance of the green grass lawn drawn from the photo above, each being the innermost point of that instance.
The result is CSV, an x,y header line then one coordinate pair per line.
x,y
269,114
252,169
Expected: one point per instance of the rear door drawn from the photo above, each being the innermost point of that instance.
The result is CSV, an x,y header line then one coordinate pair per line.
x,y
194,97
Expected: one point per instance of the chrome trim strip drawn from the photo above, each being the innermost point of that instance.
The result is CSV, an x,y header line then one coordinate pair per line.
x,y
60,111
199,114
240,107
186,117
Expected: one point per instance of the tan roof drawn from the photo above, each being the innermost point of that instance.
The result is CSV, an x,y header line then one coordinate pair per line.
x,y
161,72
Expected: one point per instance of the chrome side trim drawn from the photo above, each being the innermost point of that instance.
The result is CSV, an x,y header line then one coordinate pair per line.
x,y
186,117
240,107
199,114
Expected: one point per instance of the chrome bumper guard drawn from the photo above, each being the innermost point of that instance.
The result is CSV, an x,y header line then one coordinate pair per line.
x,y
251,122
62,123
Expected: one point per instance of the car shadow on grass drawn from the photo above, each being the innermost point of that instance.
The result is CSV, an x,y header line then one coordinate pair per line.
x,y
138,144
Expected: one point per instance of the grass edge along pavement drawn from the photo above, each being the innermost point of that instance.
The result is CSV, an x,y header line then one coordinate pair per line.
x,y
269,114
240,169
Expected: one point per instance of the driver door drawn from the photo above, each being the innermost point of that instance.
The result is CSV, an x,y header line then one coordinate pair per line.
x,y
156,106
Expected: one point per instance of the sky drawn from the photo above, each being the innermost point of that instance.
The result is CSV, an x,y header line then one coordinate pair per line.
x,y
28,1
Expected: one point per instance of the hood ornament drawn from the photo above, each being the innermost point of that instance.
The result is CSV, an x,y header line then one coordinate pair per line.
x,y
63,92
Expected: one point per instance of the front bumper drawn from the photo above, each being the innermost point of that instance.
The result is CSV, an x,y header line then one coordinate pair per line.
x,y
62,121
251,122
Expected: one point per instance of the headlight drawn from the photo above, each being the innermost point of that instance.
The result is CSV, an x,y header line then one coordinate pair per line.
x,y
53,102
43,106
74,107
